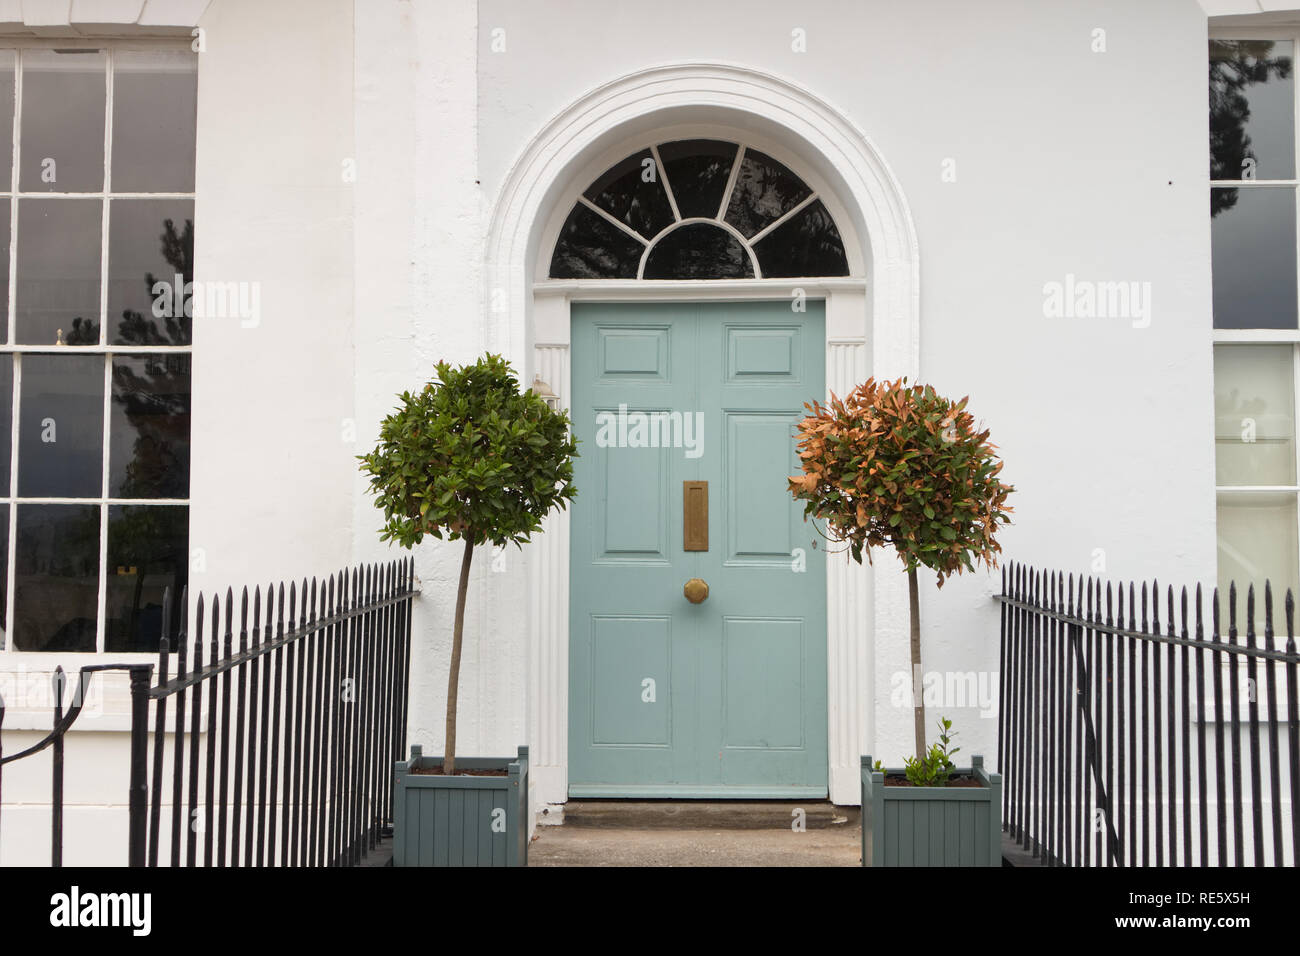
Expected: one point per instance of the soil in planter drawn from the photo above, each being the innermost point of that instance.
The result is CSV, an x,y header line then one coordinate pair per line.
x,y
437,772
958,780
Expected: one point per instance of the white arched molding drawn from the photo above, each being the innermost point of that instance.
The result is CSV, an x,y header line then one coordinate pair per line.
x,y
872,328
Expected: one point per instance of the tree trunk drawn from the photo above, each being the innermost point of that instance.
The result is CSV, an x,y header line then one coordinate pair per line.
x,y
918,696
453,674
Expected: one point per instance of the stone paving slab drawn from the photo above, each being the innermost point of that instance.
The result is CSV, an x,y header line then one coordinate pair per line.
x,y
610,846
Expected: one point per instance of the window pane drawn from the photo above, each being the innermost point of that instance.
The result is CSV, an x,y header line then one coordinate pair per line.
x,y
4,269
624,192
764,192
6,422
155,97
58,271
4,575
150,241
1254,415
8,61
697,172
1253,247
698,251
56,577
808,244
591,247
148,550
61,426
1252,110
1257,542
149,440
63,121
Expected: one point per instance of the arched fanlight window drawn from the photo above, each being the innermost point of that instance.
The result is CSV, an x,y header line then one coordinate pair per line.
x,y
698,209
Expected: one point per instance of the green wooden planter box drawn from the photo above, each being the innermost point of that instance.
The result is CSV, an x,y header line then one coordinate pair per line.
x,y
461,821
931,826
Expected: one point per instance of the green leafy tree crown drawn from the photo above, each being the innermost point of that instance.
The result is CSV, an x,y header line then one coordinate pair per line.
x,y
470,457
899,465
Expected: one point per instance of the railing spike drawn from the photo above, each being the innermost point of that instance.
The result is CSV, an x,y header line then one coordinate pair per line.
x,y
257,615
1290,622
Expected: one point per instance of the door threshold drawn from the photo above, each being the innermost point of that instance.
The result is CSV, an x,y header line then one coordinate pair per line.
x,y
622,814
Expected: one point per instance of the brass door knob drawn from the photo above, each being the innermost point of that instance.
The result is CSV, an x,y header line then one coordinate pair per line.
x,y
696,590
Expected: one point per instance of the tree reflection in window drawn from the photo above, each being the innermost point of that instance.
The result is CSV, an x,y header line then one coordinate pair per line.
x,y
1241,74
149,453
698,209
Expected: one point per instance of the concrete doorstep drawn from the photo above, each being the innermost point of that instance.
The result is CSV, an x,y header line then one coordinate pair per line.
x,y
700,833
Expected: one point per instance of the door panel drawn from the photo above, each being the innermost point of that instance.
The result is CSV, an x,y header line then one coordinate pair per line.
x,y
669,698
623,651
757,463
632,486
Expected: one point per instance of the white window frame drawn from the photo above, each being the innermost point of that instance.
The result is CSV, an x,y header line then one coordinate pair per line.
x,y
9,654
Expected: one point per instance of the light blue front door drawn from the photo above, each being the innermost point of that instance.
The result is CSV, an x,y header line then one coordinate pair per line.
x,y
669,698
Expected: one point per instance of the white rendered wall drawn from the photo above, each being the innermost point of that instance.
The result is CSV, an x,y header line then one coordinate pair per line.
x,y
272,476
419,248
1067,161
272,480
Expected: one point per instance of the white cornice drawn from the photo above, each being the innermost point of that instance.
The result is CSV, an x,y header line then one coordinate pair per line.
x,y
99,18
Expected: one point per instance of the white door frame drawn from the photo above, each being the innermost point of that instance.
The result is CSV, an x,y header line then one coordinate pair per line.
x,y
872,326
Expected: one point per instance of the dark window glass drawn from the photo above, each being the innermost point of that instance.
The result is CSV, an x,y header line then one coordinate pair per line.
x,y
4,270
155,97
56,577
151,242
807,244
8,62
148,550
698,251
697,171
61,426
59,244
764,192
149,427
6,421
1253,245
4,575
590,247
633,193
63,121
1252,110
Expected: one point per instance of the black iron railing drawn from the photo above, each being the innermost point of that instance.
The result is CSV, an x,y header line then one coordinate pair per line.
x,y
274,728
1125,742
61,721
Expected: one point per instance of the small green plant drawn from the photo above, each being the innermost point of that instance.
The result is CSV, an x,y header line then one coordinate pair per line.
x,y
933,768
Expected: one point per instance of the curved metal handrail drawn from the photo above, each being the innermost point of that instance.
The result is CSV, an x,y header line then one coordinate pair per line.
x,y
78,702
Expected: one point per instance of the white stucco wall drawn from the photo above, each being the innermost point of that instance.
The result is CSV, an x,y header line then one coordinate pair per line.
x,y
272,482
1067,161
419,299
271,478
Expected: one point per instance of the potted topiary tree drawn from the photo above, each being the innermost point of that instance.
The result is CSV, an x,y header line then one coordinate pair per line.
x,y
471,458
899,466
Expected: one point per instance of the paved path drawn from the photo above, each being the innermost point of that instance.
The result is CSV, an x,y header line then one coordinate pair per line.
x,y
610,846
